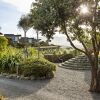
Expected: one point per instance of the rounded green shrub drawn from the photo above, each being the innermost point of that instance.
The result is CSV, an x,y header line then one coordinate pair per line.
x,y
3,43
38,68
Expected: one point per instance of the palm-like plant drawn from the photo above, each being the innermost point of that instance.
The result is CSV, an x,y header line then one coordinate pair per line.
x,y
25,23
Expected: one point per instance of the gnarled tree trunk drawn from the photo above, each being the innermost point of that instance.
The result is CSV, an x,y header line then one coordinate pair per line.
x,y
95,74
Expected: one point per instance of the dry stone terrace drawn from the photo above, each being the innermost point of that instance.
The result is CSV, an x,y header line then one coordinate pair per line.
x,y
78,63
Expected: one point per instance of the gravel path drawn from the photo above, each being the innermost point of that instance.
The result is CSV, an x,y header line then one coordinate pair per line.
x,y
67,85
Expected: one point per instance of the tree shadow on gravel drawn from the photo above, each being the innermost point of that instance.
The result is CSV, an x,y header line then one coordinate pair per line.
x,y
87,76
11,88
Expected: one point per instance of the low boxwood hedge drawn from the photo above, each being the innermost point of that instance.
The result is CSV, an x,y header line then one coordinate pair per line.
x,y
37,68
58,58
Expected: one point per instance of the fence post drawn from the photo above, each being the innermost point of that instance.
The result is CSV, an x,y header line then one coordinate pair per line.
x,y
17,69
38,44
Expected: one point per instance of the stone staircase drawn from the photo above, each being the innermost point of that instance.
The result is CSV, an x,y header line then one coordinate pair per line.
x,y
78,63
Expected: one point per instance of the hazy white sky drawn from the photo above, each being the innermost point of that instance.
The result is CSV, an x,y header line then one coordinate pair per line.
x,y
10,13
21,5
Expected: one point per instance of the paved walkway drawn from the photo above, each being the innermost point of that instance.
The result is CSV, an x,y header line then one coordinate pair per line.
x,y
67,85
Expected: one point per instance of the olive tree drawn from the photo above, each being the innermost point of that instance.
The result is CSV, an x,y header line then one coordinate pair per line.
x,y
48,15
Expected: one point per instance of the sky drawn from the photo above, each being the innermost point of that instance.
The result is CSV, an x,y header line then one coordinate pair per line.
x,y
10,13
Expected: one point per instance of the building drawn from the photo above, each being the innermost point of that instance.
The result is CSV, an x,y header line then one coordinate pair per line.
x,y
31,40
27,40
18,39
14,38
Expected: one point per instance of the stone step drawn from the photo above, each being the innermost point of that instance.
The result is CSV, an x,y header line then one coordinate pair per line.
x,y
75,68
66,65
75,63
78,63
78,59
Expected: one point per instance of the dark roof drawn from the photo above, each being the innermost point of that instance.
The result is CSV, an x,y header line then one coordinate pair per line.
x,y
30,38
1,33
11,35
17,35
26,38
8,34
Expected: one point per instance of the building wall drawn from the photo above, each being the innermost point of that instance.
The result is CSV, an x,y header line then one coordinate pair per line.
x,y
30,40
16,39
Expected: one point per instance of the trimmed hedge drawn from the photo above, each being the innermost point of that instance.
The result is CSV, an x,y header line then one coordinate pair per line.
x,y
37,68
58,58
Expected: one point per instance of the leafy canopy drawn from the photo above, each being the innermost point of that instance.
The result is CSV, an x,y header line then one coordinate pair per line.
x,y
48,15
25,23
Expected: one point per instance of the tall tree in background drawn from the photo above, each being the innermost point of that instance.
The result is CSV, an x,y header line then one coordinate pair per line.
x,y
42,19
76,24
25,23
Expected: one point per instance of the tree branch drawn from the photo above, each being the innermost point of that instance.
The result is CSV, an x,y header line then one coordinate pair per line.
x,y
94,36
84,45
71,43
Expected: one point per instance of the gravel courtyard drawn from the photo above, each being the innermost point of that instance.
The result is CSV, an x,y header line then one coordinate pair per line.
x,y
67,85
